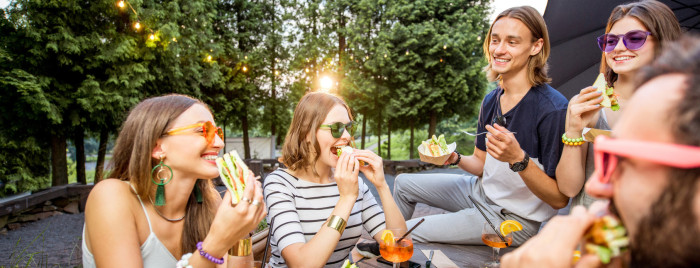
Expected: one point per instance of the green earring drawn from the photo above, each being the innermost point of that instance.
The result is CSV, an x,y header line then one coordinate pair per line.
x,y
198,192
160,190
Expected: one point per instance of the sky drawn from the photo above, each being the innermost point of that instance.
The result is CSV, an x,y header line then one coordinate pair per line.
x,y
4,3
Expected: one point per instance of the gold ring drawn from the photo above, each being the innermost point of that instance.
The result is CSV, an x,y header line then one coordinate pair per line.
x,y
246,199
255,203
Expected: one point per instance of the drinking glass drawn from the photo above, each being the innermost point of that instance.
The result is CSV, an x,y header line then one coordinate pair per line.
x,y
397,251
491,239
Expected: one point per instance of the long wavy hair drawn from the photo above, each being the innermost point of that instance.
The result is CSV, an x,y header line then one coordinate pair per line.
x,y
309,114
536,65
132,161
655,16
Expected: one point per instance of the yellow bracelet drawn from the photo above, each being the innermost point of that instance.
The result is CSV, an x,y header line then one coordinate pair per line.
x,y
337,223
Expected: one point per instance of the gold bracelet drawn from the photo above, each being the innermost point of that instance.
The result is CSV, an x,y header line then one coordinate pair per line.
x,y
243,248
337,223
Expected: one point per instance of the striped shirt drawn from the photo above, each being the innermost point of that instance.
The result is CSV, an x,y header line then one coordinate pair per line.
x,y
298,210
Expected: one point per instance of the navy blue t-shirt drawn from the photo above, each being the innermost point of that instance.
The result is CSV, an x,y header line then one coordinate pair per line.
x,y
538,119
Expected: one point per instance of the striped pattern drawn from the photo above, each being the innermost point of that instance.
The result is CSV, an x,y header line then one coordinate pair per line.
x,y
300,208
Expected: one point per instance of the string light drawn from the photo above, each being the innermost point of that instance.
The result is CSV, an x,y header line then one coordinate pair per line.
x,y
440,59
385,56
406,52
444,46
246,57
137,25
245,69
120,4
306,70
277,72
152,37
174,40
209,58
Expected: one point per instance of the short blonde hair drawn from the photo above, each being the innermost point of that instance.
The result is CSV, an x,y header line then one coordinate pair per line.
x,y
309,114
536,65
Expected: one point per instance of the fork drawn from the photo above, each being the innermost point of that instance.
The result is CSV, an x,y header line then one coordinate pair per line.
x,y
481,133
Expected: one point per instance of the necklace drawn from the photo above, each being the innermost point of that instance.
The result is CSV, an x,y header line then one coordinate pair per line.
x,y
161,215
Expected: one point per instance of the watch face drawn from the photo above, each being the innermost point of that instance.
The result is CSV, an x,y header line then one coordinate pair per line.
x,y
520,166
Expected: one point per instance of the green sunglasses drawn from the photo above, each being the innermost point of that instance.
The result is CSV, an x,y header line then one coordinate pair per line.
x,y
338,127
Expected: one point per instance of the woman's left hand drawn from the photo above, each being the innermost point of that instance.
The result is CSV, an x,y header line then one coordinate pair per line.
x,y
374,169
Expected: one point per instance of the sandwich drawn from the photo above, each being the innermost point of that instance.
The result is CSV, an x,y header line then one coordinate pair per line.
x,y
606,238
609,97
436,146
233,173
347,149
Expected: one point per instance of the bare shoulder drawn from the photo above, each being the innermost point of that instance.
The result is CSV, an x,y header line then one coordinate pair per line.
x,y
110,199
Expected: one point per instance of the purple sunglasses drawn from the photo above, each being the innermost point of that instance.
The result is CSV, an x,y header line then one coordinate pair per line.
x,y
633,40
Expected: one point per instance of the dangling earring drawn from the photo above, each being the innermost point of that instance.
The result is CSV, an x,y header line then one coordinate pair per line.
x,y
197,192
160,190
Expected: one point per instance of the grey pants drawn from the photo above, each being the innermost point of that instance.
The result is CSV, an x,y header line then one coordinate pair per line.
x,y
464,223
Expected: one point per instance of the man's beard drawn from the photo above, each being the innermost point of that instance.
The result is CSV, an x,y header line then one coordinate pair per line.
x,y
668,236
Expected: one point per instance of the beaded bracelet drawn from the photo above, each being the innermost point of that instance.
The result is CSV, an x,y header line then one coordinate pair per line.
x,y
184,262
207,256
571,142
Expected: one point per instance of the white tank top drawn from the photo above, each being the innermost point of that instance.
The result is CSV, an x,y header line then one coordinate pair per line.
x,y
153,252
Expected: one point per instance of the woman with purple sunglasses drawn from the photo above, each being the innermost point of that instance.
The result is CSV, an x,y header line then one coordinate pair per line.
x,y
634,36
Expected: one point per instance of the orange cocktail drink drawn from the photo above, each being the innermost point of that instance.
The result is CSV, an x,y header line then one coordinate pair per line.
x,y
492,240
395,249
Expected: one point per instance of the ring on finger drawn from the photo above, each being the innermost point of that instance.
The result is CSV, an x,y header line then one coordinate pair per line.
x,y
255,203
246,199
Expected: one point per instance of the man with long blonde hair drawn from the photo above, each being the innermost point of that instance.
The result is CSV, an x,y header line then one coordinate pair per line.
x,y
513,165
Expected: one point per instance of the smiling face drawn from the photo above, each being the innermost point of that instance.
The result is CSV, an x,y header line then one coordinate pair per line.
x,y
328,144
188,153
624,61
511,46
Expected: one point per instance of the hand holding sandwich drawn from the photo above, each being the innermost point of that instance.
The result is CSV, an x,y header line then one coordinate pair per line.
x,y
555,244
233,223
345,175
582,110
374,170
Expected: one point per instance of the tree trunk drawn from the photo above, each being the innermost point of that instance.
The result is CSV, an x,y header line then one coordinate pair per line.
x,y
101,151
59,164
246,141
79,141
433,124
388,140
410,152
364,128
379,134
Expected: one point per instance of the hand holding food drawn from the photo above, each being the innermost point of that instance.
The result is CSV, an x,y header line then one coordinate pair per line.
x,y
436,146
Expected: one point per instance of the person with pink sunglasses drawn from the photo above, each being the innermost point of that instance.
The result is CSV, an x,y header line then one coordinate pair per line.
x,y
649,171
635,34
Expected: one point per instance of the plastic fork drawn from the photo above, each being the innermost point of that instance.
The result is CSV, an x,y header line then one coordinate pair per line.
x,y
481,133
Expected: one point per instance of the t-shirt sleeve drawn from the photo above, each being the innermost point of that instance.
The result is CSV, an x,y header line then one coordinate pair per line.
x,y
550,129
480,140
282,212
372,215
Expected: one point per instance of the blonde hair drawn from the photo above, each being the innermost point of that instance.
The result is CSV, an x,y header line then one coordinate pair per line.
x,y
132,161
536,65
297,152
655,16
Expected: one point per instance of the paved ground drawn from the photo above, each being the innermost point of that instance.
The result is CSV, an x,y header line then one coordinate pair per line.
x,y
56,241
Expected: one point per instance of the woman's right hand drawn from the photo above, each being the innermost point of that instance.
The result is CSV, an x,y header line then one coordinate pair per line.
x,y
233,223
582,109
346,175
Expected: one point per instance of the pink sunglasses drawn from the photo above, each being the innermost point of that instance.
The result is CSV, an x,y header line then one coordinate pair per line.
x,y
607,149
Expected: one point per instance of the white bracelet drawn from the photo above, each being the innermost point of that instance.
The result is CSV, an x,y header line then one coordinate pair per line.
x,y
184,262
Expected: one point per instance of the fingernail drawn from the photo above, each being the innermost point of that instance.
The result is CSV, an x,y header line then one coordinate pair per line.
x,y
597,105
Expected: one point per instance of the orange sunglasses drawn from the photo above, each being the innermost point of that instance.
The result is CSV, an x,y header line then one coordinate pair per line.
x,y
208,131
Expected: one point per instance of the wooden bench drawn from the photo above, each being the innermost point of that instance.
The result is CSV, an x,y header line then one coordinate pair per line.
x,y
393,166
41,196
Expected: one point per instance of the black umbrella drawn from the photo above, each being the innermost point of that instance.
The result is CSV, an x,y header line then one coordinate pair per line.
x,y
573,26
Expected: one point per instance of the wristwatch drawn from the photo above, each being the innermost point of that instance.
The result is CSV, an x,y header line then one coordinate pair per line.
x,y
520,166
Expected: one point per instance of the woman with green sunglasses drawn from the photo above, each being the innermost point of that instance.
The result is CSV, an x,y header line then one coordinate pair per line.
x,y
318,206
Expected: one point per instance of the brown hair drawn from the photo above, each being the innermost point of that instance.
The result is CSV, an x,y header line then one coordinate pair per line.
x,y
132,160
309,114
655,16
671,221
536,65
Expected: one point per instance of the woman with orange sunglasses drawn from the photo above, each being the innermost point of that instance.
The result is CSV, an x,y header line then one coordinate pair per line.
x,y
159,208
